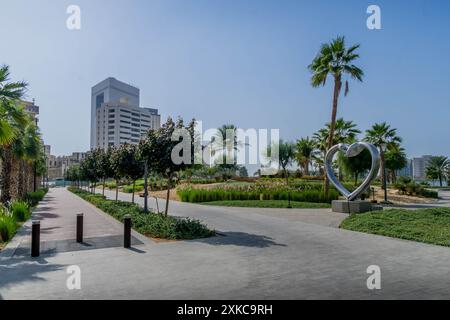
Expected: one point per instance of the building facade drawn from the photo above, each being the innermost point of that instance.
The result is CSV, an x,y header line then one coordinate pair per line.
x,y
57,166
419,167
116,115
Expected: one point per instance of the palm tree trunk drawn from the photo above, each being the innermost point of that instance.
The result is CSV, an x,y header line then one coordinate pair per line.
x,y
14,179
337,90
21,187
6,174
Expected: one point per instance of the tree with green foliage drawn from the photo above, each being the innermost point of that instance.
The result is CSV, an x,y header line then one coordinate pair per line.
x,y
438,168
104,166
396,160
355,166
384,138
133,167
337,61
286,154
164,145
305,149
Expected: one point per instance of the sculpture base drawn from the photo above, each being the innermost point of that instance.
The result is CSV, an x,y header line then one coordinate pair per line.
x,y
357,206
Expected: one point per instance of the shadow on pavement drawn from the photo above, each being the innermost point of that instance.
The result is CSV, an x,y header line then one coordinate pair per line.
x,y
241,239
17,270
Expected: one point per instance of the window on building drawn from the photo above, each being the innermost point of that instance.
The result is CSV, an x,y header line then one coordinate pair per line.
x,y
99,99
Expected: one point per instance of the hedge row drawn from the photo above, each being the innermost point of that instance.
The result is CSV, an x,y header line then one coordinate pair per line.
x,y
201,195
150,224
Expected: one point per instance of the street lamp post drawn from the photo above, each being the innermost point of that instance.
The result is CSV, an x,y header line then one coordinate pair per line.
x,y
383,148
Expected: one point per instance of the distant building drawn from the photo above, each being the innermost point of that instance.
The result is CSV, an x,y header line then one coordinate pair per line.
x,y
116,115
419,166
57,166
32,109
407,171
47,150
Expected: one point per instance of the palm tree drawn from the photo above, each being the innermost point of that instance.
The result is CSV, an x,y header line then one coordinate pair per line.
x,y
345,132
396,160
27,152
12,118
305,151
335,60
286,153
382,136
438,168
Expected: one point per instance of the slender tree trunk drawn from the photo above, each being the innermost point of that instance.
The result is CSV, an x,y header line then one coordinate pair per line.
x,y
440,180
117,190
146,187
168,196
356,178
103,191
337,90
134,185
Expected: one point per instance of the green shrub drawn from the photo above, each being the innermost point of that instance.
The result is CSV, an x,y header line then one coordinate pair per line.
x,y
129,188
202,195
8,227
33,198
150,224
4,211
20,211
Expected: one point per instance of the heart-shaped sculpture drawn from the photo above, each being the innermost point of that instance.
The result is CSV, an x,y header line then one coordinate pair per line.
x,y
352,151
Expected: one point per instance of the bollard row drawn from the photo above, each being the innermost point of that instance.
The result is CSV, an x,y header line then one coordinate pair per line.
x,y
36,233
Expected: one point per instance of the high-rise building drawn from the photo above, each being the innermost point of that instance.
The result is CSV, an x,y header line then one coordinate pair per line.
x,y
419,167
407,171
116,115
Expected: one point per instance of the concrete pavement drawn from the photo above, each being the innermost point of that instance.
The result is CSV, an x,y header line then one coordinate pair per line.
x,y
260,256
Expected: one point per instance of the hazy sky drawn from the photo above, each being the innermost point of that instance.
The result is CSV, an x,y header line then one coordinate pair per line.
x,y
233,61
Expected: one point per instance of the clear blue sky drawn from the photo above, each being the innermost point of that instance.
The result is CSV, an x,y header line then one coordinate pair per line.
x,y
229,61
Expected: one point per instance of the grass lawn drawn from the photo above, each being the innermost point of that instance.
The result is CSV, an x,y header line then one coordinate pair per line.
x,y
266,204
423,225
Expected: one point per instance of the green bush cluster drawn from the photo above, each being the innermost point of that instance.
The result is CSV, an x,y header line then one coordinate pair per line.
x,y
8,227
411,188
129,189
33,198
149,224
20,211
202,195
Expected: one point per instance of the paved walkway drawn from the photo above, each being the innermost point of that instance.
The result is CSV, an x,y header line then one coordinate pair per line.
x,y
260,256
57,213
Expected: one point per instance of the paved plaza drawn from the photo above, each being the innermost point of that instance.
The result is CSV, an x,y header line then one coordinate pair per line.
x,y
258,254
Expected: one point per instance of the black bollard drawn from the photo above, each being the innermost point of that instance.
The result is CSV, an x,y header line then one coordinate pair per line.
x,y
35,238
79,227
127,231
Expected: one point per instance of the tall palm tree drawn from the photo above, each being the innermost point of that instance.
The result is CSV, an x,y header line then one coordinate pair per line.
x,y
384,137
438,168
12,118
396,159
335,60
305,149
